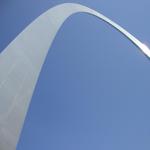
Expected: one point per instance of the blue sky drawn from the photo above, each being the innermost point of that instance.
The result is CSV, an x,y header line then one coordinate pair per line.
x,y
93,91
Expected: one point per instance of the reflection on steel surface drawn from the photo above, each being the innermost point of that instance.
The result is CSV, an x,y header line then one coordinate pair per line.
x,y
22,60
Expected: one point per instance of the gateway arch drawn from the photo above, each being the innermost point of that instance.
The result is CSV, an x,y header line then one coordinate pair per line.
x,y
21,62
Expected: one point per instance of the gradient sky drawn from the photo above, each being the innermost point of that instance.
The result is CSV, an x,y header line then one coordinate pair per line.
x,y
93,91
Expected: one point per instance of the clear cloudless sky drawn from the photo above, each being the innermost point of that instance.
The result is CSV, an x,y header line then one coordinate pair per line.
x,y
94,89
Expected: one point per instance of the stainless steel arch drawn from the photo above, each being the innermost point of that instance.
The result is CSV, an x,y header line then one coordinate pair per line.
x,y
22,60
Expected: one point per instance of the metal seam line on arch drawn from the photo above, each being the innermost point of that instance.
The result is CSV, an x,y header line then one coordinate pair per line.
x,y
21,63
